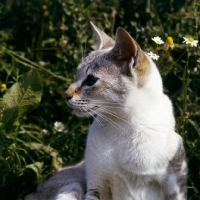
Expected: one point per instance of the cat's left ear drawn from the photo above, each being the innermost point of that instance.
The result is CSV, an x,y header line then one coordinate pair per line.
x,y
125,46
127,50
103,40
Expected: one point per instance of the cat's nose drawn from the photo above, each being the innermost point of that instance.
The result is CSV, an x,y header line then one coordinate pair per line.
x,y
68,96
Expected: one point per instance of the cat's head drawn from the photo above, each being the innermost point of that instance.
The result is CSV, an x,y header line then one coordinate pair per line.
x,y
108,75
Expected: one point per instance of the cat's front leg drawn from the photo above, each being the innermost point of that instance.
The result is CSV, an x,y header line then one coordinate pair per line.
x,y
102,192
177,187
177,178
97,188
92,194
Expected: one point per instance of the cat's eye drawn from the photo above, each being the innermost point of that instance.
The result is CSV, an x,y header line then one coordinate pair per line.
x,y
90,81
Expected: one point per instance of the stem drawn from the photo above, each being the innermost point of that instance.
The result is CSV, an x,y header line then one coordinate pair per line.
x,y
178,58
195,18
181,56
163,56
26,62
185,89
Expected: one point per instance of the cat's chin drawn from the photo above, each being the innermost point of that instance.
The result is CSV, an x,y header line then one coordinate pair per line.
x,y
79,113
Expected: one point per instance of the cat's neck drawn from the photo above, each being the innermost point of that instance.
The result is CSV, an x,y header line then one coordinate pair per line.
x,y
145,108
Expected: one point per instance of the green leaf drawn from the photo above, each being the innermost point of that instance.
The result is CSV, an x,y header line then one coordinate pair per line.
x,y
36,167
22,97
195,126
47,149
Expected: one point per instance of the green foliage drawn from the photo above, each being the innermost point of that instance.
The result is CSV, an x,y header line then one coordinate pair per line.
x,y
22,97
41,43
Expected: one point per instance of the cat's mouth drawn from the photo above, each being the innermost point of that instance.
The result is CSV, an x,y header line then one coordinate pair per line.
x,y
83,108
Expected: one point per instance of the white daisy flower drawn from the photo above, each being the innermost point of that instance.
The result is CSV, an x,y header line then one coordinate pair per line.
x,y
153,55
195,69
190,41
44,131
157,40
59,126
42,63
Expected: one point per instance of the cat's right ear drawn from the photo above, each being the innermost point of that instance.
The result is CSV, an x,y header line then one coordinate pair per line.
x,y
103,40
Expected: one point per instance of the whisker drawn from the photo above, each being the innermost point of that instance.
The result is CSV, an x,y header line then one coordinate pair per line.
x,y
99,101
109,103
105,110
114,114
110,121
95,118
105,106
98,121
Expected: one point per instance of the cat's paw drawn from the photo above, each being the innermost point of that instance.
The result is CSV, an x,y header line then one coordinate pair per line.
x,y
89,197
63,196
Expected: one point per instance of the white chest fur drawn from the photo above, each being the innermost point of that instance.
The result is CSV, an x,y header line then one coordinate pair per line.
x,y
127,161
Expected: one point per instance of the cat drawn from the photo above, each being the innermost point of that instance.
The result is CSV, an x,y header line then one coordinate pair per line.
x,y
132,150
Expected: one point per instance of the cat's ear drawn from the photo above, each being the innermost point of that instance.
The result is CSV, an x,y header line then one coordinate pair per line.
x,y
125,46
103,40
127,50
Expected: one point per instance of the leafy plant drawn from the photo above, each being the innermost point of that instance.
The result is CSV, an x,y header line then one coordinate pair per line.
x,y
41,43
22,97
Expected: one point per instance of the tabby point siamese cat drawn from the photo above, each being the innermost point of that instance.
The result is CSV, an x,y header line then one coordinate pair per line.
x,y
132,151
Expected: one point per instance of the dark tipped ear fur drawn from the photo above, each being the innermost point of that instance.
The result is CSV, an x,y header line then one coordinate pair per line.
x,y
125,46
126,50
103,40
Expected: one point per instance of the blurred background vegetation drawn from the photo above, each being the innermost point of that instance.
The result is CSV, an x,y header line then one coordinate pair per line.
x,y
51,37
